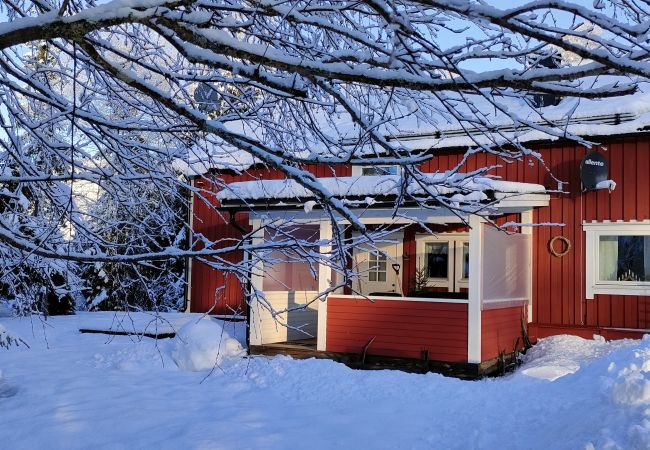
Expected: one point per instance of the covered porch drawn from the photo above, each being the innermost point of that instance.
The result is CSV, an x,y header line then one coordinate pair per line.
x,y
456,296
454,319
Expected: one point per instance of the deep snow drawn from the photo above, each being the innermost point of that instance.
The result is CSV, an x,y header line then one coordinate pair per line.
x,y
75,391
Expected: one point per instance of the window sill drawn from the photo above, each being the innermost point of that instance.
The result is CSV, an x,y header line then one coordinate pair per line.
x,y
612,289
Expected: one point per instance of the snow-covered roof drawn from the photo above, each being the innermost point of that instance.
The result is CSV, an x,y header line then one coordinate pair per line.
x,y
513,120
456,187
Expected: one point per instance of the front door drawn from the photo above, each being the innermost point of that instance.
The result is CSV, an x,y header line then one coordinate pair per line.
x,y
379,267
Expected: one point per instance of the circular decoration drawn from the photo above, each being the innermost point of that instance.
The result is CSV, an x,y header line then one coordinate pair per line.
x,y
565,241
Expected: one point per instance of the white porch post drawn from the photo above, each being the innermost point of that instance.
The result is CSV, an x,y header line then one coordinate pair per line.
x,y
527,217
324,279
257,279
475,289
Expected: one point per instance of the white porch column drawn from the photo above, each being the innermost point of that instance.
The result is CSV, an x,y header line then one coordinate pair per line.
x,y
324,279
527,217
475,289
257,279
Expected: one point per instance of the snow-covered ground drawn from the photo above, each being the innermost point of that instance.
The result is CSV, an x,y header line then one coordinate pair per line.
x,y
79,391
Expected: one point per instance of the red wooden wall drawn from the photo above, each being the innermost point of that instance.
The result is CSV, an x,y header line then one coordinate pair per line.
x,y
214,290
500,329
400,328
558,283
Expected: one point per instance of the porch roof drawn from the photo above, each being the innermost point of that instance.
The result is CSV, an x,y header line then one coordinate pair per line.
x,y
379,191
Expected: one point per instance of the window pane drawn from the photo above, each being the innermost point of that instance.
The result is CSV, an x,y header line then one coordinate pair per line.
x,y
465,260
437,256
379,170
624,258
372,276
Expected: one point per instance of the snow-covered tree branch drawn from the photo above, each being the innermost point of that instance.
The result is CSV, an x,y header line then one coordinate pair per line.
x,y
116,98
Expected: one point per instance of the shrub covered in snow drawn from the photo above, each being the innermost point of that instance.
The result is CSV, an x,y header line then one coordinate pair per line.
x,y
202,344
144,217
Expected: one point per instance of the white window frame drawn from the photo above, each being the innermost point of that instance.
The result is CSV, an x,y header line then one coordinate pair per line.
x,y
593,232
357,170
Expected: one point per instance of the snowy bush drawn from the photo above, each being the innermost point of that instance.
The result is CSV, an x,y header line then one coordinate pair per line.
x,y
144,219
32,283
200,345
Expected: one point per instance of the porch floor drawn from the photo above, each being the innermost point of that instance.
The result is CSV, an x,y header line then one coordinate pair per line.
x,y
299,349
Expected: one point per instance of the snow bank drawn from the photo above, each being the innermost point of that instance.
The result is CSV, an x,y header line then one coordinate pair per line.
x,y
202,344
611,379
558,356
6,390
632,383
117,392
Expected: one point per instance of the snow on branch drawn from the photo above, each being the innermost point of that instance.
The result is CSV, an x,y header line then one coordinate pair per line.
x,y
108,111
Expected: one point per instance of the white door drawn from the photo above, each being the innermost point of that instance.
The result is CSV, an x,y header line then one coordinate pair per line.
x,y
444,258
379,266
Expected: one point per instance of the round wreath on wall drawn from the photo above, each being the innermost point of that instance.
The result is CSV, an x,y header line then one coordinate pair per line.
x,y
566,244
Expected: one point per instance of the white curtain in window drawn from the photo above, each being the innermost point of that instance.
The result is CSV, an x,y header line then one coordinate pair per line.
x,y
608,258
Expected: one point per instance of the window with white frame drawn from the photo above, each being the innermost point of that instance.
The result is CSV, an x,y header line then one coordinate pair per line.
x,y
445,260
617,258
437,259
377,266
375,170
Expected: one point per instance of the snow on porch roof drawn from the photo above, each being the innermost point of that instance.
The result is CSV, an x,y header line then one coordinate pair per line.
x,y
366,189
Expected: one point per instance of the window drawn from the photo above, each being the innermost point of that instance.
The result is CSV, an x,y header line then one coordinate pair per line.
x,y
437,257
624,258
290,271
465,260
443,261
379,170
617,258
374,170
377,266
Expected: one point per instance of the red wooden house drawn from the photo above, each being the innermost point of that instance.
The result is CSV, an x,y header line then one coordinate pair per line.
x,y
591,276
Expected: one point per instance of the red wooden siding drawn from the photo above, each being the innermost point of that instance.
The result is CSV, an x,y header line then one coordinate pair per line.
x,y
215,290
401,328
559,283
500,329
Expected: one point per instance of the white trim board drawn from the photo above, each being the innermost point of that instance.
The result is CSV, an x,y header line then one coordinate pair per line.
x,y
372,298
476,262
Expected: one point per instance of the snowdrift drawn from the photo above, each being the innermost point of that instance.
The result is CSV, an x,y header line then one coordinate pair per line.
x,y
202,344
